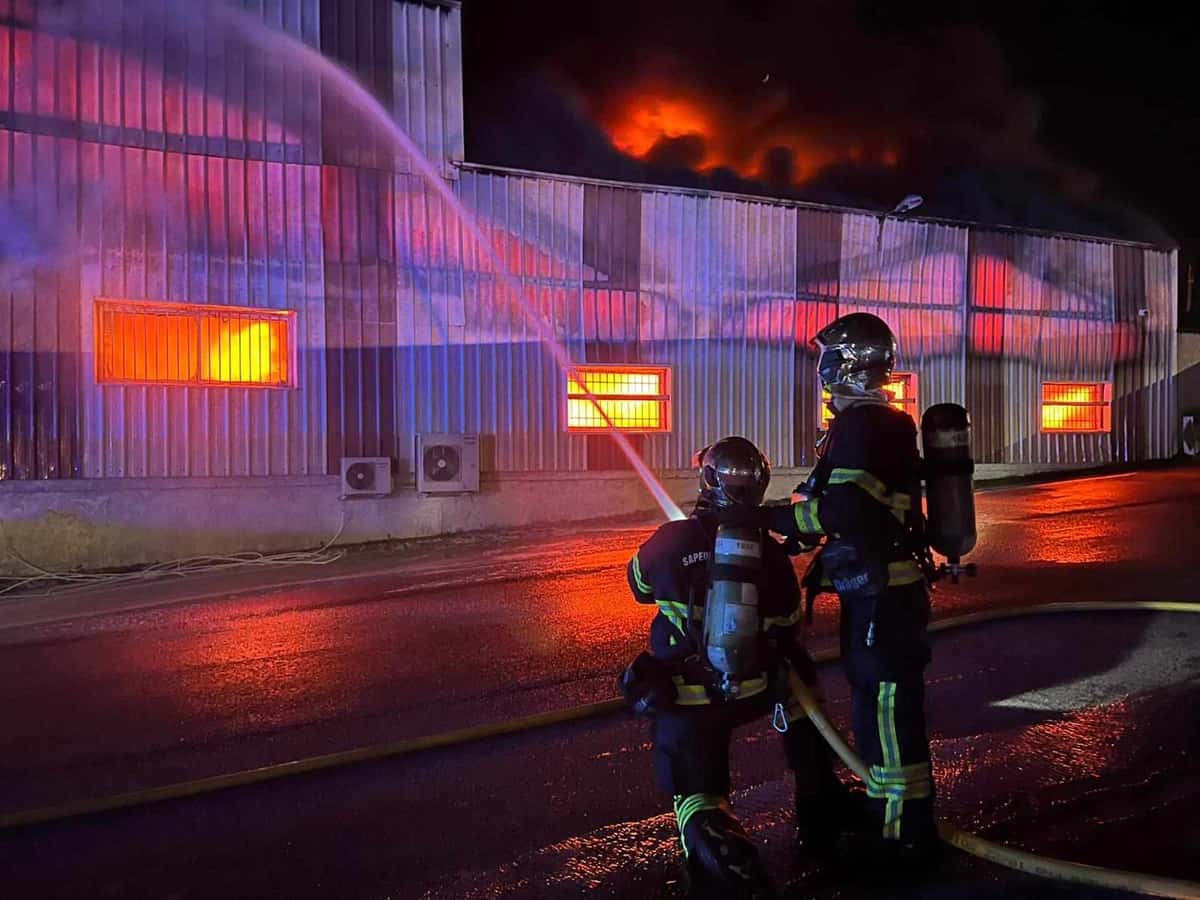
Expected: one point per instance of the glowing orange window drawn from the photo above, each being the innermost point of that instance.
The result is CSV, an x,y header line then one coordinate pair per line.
x,y
188,344
1076,406
902,388
634,398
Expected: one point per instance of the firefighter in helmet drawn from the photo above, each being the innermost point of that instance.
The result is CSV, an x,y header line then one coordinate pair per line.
x,y
863,501
694,708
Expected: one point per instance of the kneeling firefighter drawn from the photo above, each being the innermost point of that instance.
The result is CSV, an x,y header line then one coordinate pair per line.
x,y
726,633
863,500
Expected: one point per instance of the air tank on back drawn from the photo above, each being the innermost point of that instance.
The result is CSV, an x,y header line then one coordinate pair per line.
x,y
731,615
949,482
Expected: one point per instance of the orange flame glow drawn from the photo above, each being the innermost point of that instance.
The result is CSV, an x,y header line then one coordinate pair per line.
x,y
733,139
651,119
1074,407
633,398
188,344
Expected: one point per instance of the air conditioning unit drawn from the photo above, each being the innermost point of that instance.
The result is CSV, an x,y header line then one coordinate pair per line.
x,y
1190,433
366,476
447,463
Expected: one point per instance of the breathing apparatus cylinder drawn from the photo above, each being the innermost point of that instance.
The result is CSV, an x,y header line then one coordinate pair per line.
x,y
731,619
949,485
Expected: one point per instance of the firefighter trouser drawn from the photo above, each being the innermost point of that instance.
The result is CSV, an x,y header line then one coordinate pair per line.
x,y
887,696
691,745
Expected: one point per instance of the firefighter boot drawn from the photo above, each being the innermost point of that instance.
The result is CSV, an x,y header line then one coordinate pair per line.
x,y
722,861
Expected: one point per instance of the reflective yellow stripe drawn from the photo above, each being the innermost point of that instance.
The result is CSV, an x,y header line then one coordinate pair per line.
x,y
637,577
783,621
885,719
913,782
900,573
686,807
696,695
902,774
885,712
896,794
669,610
906,571
672,606
806,517
873,486
689,694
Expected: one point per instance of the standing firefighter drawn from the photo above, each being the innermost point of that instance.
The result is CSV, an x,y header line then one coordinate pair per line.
x,y
722,643
863,498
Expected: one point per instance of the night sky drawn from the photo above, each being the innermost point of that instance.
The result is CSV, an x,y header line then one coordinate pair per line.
x,y
1062,115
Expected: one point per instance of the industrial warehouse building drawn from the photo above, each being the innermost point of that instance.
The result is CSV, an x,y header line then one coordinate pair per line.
x,y
254,330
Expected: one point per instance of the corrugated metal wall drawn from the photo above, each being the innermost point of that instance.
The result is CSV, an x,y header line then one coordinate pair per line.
x,y
179,174
730,291
1161,435
473,360
158,175
150,154
913,276
1040,309
427,85
409,56
718,278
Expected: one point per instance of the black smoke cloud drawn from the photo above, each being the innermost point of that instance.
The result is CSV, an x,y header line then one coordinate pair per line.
x,y
937,98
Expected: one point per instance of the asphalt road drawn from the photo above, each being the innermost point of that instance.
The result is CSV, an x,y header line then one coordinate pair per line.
x,y
125,700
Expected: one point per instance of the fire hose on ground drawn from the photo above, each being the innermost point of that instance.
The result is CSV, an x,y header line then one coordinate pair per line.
x,y
1009,857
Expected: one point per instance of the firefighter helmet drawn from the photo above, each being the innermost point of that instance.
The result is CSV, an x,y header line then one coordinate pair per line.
x,y
858,353
733,472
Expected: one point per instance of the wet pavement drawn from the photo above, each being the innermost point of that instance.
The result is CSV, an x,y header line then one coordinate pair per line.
x,y
1070,735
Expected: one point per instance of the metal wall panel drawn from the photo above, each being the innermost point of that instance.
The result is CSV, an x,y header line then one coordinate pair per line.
x,y
913,275
161,175
818,286
132,223
990,268
1161,349
359,37
470,358
408,55
427,89
1130,406
1041,309
106,207
203,230
161,76
358,221
718,278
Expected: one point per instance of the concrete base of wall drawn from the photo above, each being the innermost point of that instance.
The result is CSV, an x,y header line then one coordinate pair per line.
x,y
73,525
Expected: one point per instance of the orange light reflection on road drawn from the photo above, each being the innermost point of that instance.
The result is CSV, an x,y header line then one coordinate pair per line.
x,y
261,668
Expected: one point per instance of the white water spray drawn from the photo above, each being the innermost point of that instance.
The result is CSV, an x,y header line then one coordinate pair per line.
x,y
358,97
